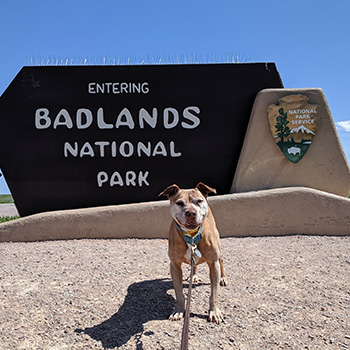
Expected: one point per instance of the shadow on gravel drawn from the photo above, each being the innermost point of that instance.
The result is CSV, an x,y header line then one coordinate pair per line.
x,y
145,301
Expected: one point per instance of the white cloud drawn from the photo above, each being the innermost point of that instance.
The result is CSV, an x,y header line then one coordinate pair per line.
x,y
343,125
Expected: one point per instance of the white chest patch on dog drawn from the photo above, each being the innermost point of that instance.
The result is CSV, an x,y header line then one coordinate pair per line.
x,y
198,254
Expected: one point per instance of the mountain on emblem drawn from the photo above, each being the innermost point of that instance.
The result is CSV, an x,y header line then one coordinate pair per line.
x,y
302,129
293,124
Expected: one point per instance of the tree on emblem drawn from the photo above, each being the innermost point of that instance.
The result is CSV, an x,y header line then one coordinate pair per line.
x,y
282,130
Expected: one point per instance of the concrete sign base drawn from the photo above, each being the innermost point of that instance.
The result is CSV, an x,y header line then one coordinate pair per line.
x,y
283,211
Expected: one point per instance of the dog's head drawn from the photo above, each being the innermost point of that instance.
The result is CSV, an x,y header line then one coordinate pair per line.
x,y
188,208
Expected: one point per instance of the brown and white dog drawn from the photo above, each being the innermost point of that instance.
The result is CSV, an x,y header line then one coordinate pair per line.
x,y
192,217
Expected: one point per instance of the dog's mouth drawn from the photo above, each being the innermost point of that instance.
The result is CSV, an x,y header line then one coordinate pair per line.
x,y
188,225
191,225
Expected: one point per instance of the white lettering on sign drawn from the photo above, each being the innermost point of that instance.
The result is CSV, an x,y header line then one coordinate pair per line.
x,y
302,111
118,88
307,121
125,149
84,118
130,178
63,118
125,119
303,116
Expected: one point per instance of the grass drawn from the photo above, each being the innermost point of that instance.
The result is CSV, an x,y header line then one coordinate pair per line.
x,y
8,218
5,198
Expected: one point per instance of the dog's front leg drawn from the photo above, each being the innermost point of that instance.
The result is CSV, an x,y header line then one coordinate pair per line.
x,y
223,279
215,314
176,275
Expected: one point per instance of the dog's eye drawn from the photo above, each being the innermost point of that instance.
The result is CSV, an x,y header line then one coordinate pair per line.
x,y
180,203
200,201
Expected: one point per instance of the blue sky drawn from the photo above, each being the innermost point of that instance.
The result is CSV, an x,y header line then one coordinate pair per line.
x,y
308,40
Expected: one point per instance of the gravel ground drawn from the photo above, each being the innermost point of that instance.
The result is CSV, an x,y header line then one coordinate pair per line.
x,y
284,293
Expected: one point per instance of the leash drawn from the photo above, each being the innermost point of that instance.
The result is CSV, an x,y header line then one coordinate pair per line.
x,y
192,242
185,328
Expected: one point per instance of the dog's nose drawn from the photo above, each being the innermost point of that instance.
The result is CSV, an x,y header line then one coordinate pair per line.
x,y
191,214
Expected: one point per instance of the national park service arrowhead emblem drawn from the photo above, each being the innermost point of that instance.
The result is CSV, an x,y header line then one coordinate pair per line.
x,y
293,123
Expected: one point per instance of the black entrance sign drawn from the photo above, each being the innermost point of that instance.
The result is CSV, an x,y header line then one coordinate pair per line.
x,y
81,136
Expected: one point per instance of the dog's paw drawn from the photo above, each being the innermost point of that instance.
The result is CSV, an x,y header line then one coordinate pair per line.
x,y
176,315
215,316
223,281
195,279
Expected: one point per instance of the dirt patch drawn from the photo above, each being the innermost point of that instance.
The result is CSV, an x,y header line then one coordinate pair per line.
x,y
284,293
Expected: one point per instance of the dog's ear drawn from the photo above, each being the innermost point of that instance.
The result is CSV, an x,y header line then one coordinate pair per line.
x,y
204,189
170,191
